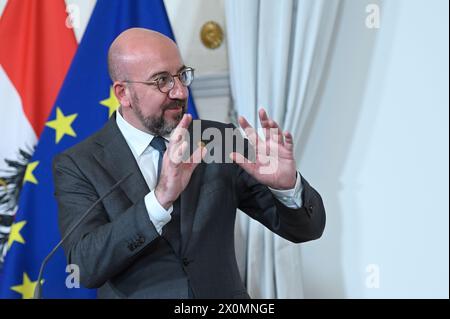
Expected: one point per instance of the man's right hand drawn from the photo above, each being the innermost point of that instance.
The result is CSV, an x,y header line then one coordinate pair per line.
x,y
176,173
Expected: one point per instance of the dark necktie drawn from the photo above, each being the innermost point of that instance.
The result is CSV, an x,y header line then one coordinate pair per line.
x,y
171,231
159,144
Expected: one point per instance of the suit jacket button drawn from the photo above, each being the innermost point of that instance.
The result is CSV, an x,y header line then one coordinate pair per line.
x,y
186,262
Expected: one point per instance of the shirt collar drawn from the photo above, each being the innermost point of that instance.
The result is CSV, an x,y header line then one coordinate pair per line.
x,y
137,140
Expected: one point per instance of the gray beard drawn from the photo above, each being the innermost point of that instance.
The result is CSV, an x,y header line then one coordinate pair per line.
x,y
157,125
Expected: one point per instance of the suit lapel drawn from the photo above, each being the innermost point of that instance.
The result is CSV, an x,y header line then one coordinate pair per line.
x,y
116,158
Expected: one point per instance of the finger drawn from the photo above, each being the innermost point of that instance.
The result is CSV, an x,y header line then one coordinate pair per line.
x,y
181,128
175,141
271,128
198,155
243,162
288,141
263,118
244,123
176,152
265,123
185,121
276,133
250,132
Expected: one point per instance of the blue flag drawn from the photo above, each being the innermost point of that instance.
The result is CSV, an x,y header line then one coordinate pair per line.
x,y
83,106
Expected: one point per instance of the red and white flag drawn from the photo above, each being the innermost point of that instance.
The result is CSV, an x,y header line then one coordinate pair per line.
x,y
36,49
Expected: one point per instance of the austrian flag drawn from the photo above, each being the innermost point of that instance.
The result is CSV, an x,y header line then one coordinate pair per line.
x,y
36,50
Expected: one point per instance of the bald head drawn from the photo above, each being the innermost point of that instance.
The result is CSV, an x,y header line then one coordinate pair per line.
x,y
132,47
137,61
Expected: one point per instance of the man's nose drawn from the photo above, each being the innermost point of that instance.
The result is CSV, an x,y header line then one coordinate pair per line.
x,y
179,91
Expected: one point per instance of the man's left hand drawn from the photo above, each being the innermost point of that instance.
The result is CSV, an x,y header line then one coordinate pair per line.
x,y
274,165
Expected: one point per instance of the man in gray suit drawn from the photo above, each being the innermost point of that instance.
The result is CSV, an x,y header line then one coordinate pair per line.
x,y
168,230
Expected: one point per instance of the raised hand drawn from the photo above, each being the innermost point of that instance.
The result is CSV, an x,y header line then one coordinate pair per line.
x,y
274,165
176,172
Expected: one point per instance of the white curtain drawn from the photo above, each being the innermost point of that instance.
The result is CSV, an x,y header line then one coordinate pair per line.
x,y
277,54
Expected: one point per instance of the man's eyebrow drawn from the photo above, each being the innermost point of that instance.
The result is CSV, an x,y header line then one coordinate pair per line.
x,y
164,72
182,67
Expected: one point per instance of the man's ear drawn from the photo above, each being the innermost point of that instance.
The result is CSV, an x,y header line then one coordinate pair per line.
x,y
120,91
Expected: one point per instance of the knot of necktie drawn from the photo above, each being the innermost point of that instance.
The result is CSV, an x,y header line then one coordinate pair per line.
x,y
159,144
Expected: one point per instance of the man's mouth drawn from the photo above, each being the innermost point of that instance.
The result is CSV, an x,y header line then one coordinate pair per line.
x,y
174,110
177,106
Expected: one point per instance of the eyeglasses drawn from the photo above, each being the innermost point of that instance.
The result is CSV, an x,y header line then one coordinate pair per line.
x,y
166,81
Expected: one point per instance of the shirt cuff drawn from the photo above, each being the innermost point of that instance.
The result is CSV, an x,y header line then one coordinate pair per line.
x,y
291,198
158,214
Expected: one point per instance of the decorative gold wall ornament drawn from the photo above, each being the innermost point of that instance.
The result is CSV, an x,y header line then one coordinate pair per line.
x,y
211,35
4,184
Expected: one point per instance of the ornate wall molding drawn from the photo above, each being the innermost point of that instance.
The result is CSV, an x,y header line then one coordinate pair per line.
x,y
212,85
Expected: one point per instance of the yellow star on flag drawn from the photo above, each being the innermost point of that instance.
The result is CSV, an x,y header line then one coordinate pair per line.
x,y
26,289
112,103
29,176
62,125
15,235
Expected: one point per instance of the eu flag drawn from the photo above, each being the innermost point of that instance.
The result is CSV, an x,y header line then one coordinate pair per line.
x,y
84,104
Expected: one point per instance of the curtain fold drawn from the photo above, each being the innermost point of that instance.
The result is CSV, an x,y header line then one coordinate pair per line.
x,y
277,54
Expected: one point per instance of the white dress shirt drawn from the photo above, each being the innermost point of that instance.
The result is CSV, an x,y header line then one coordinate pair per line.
x,y
147,159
